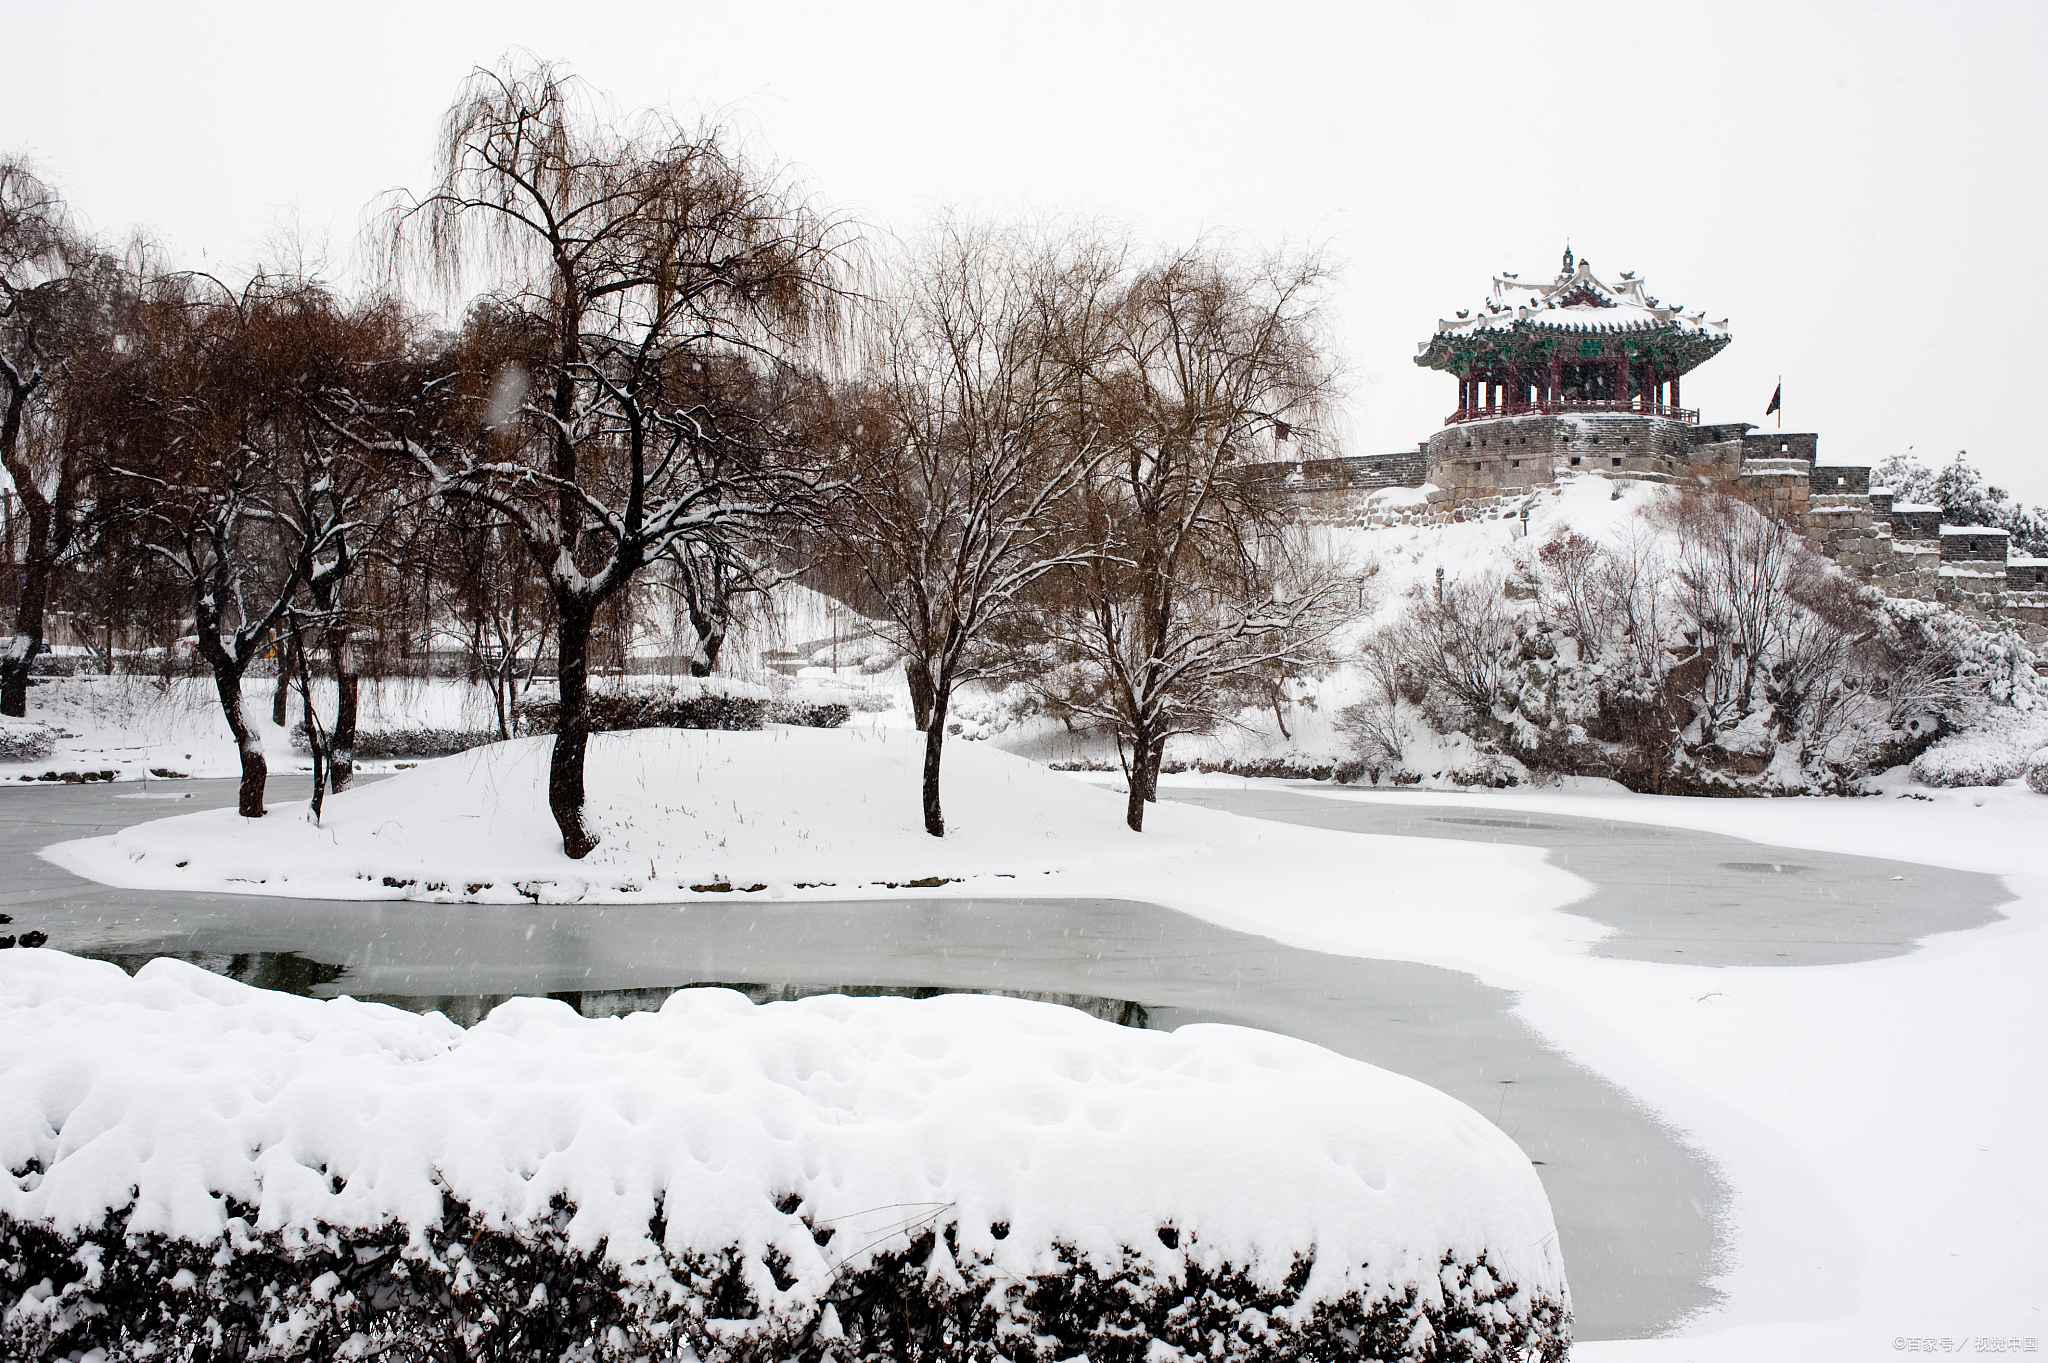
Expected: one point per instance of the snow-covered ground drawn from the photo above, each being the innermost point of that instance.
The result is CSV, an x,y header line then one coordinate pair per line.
x,y
767,1129
1881,1124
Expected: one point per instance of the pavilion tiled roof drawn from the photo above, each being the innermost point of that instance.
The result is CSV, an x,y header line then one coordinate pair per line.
x,y
1577,304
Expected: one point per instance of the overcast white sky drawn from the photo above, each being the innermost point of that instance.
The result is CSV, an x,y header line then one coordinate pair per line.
x,y
1858,187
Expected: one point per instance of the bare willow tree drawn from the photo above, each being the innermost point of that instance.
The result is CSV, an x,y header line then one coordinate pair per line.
x,y
331,502
649,297
968,451
209,416
1192,586
60,298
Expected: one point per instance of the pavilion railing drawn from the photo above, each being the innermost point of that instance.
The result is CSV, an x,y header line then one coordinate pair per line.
x,y
1635,407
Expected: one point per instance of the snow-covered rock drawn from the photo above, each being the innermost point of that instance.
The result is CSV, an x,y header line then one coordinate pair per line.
x,y
964,1173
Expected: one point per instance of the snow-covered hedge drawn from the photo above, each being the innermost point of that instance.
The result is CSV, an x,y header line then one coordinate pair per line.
x,y
25,740
808,714
678,707
2037,772
698,703
1998,748
197,1168
375,745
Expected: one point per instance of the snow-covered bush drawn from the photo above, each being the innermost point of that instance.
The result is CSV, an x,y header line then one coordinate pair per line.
x,y
1999,661
2001,746
25,740
2037,772
952,1178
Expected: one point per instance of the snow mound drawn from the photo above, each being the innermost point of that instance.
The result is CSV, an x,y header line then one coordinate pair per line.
x,y
680,812
742,1175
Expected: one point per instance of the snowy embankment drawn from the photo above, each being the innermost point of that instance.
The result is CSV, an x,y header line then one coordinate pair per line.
x,y
196,1161
679,812
685,814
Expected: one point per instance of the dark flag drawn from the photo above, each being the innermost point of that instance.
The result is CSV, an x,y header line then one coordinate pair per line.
x,y
1777,397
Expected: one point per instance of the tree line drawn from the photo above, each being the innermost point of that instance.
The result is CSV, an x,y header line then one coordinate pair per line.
x,y
1024,452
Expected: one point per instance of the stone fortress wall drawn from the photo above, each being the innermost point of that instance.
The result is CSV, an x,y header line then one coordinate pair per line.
x,y
1491,469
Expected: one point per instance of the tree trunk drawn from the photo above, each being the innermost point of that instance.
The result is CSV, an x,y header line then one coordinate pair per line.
x,y
1137,770
341,758
341,739
921,692
710,640
227,683
934,741
281,695
572,729
501,692
708,619
316,741
1152,770
28,612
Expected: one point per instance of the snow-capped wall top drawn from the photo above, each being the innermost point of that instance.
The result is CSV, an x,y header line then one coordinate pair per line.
x,y
1577,302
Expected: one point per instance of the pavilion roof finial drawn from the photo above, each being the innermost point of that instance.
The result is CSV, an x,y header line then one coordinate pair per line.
x,y
1569,264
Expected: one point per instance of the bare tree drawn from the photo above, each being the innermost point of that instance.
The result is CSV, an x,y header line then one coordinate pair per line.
x,y
1207,356
1654,649
207,407
654,292
1766,622
495,598
713,582
60,297
967,454
331,501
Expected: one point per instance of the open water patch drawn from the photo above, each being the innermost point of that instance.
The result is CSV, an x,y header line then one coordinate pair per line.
x,y
291,972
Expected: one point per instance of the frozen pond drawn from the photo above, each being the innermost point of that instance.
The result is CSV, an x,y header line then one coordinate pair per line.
x,y
1676,895
1636,1208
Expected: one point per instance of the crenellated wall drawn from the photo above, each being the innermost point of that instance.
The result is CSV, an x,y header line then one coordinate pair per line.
x,y
1485,470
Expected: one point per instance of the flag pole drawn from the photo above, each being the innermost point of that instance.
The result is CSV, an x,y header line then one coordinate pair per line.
x,y
1781,402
